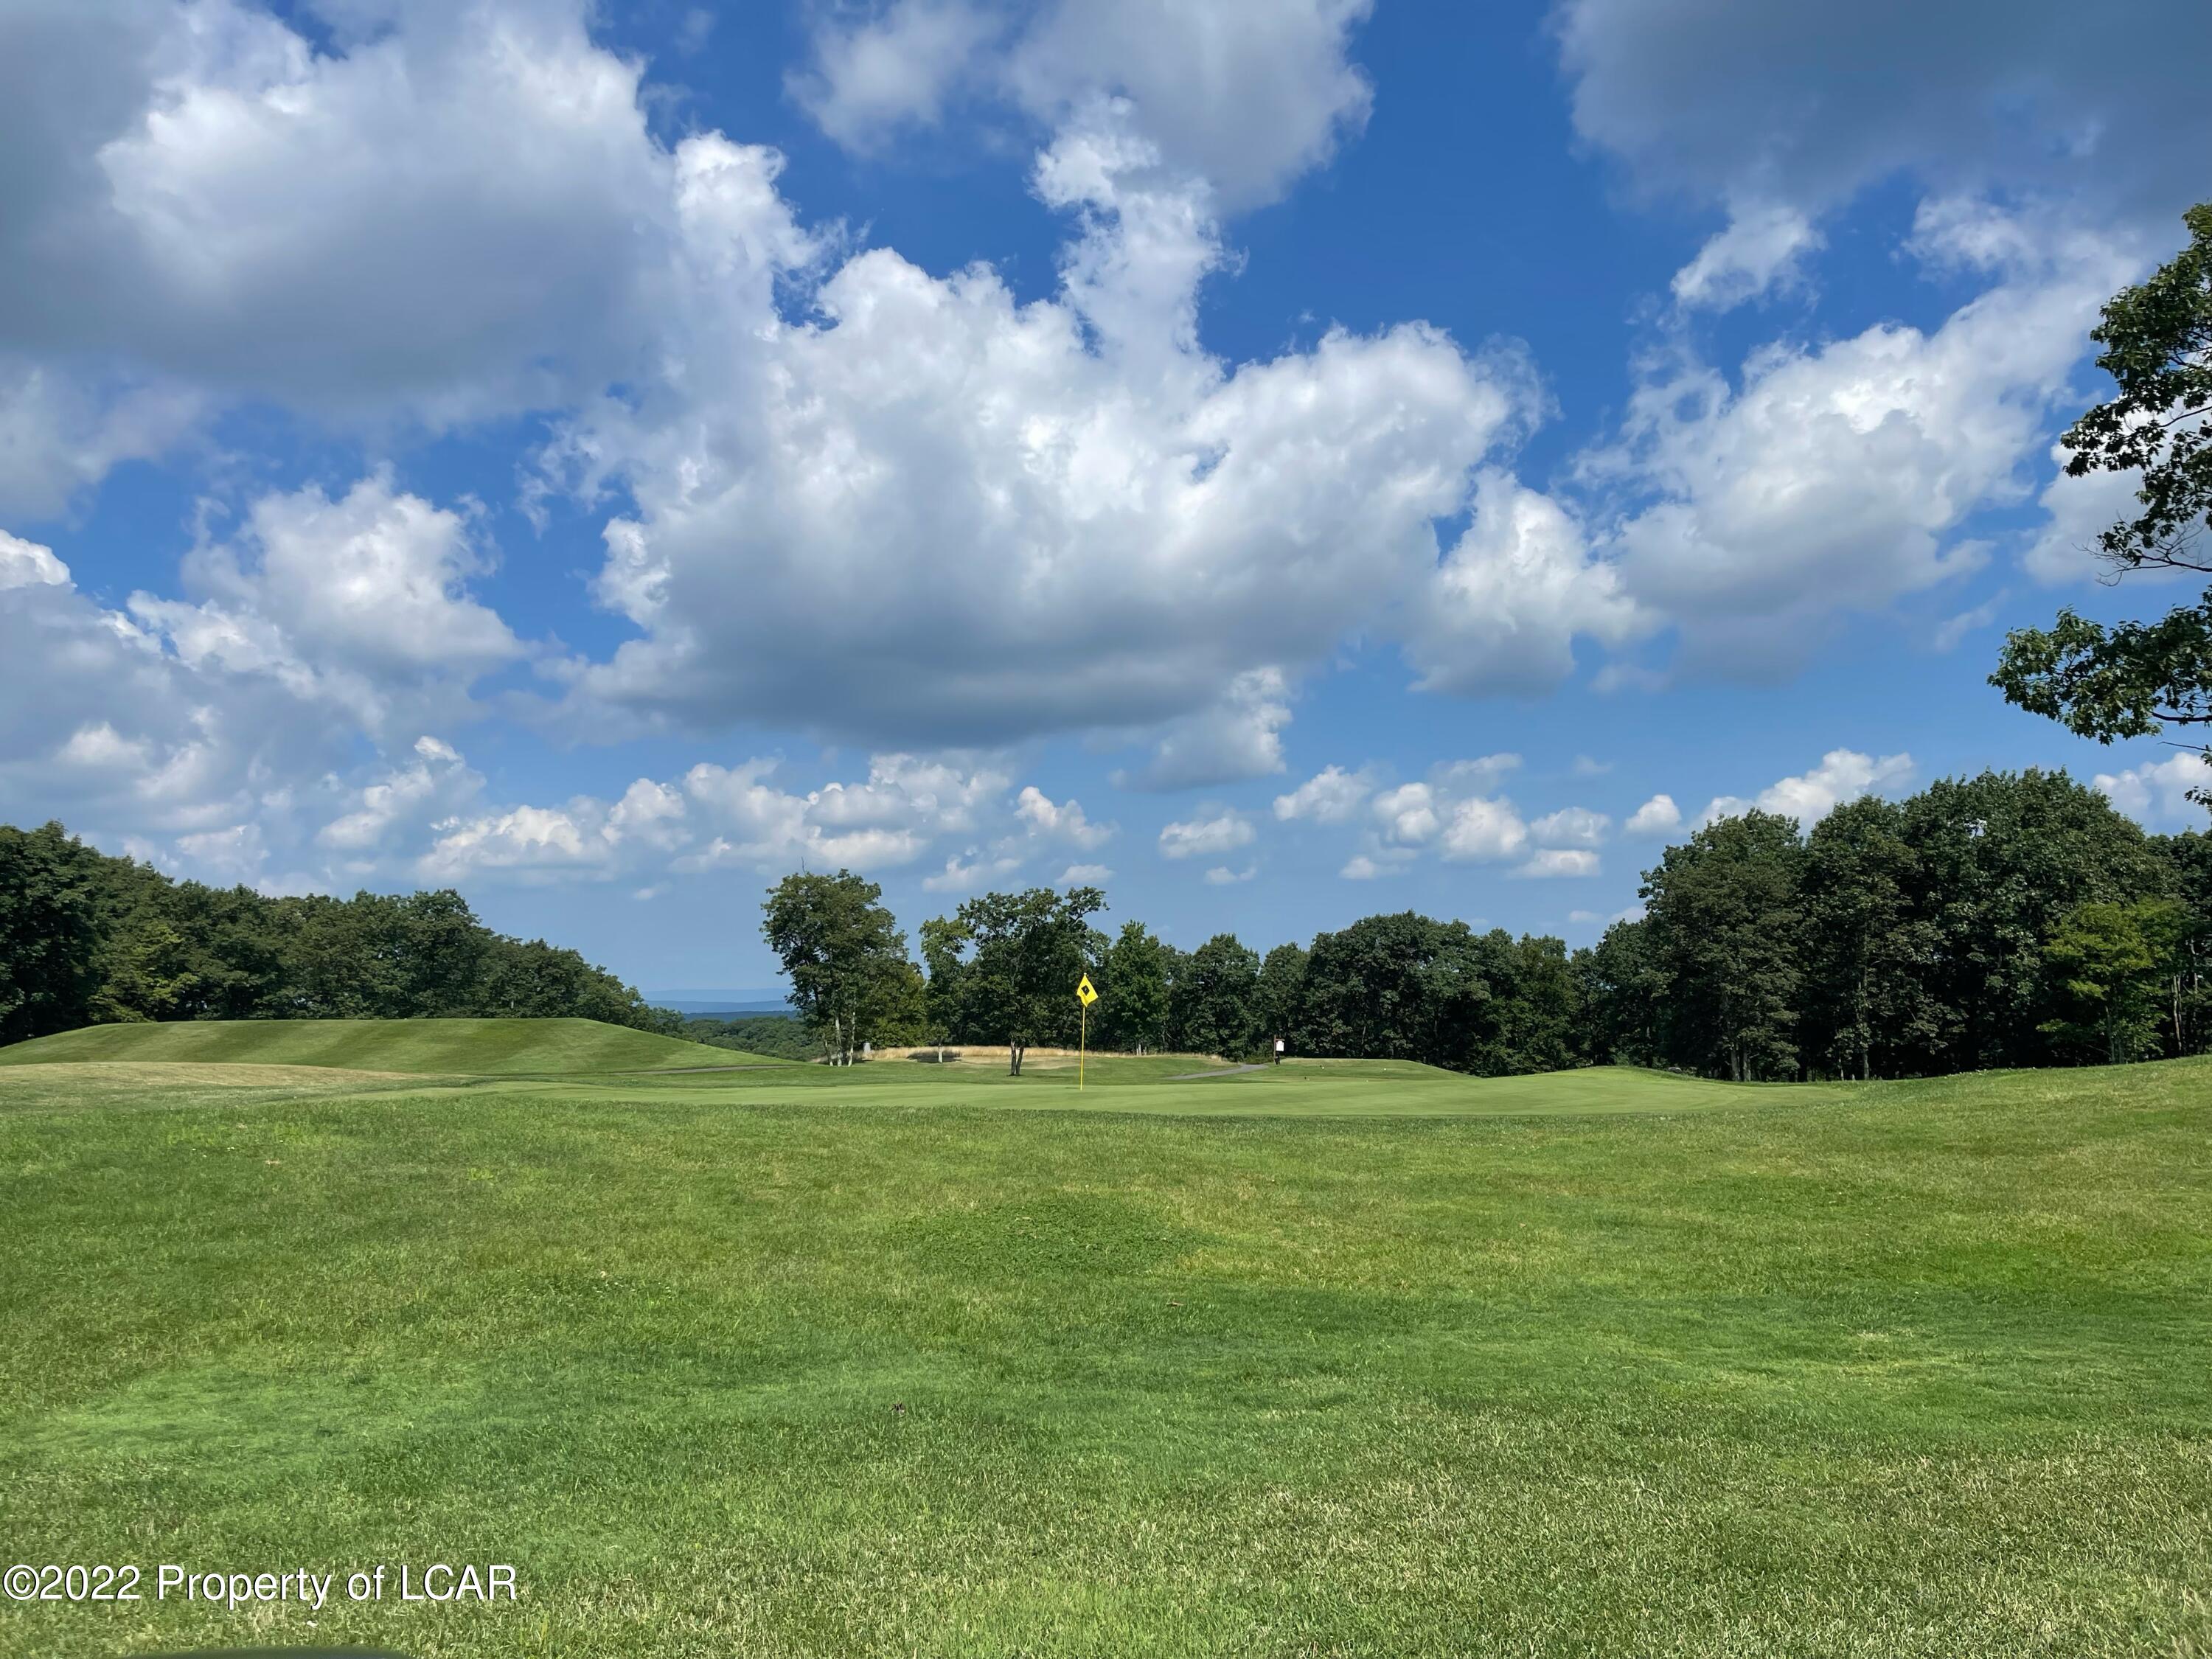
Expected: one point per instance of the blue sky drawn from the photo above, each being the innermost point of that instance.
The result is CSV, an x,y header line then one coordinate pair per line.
x,y
1280,459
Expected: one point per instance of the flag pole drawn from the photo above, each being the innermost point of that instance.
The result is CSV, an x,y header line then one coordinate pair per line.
x,y
1084,996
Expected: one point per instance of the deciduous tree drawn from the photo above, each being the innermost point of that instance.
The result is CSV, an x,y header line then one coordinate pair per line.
x,y
1725,935
1214,998
2109,965
1133,991
2133,680
843,953
1030,951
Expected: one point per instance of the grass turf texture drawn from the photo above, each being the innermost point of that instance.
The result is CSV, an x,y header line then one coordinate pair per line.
x,y
447,1046
798,1362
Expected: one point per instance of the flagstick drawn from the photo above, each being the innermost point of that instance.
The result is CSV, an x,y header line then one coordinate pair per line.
x,y
1083,1046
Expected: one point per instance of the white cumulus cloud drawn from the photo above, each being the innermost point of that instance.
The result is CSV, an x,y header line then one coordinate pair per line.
x,y
2167,793
1248,92
1571,826
1517,589
1216,830
1842,775
1761,249
1482,830
1839,477
1027,517
1559,862
1331,795
1240,737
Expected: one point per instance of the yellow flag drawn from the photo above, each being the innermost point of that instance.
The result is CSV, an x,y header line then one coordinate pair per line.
x,y
1083,993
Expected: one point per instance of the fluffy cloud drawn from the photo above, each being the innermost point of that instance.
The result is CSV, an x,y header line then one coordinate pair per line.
x,y
1450,811
430,819
1248,92
1222,876
2077,511
1367,866
1483,830
1217,829
874,75
537,841
1331,795
362,601
27,564
438,776
1552,861
1807,104
109,728
1657,817
890,820
1503,609
1024,518
1842,775
1840,477
62,430
1408,814
1759,251
1571,826
2171,792
1045,818
1238,737
456,209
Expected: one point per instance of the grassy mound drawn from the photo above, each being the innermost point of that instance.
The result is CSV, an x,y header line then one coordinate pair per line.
x,y
477,1047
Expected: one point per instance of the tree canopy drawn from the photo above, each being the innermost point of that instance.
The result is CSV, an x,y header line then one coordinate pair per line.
x,y
1027,952
846,959
85,938
2137,679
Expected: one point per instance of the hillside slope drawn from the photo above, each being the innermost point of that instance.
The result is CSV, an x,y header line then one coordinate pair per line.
x,y
470,1047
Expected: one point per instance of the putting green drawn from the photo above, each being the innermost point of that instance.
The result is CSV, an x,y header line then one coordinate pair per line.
x,y
1299,1089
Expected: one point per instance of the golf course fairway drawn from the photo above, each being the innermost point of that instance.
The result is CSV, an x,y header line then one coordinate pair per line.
x,y
1345,1359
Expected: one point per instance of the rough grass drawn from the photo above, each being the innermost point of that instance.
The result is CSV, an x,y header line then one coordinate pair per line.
x,y
726,1366
476,1047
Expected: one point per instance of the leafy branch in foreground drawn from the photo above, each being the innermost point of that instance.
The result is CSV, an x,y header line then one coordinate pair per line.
x,y
2132,679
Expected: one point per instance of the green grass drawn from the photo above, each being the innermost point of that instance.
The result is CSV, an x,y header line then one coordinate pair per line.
x,y
1159,1086
476,1047
1344,1360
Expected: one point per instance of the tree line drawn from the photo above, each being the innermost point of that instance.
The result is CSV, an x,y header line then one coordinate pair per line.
x,y
2002,920
1003,969
2007,919
85,938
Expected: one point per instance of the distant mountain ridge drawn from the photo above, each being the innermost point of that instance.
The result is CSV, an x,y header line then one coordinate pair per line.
x,y
769,1000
